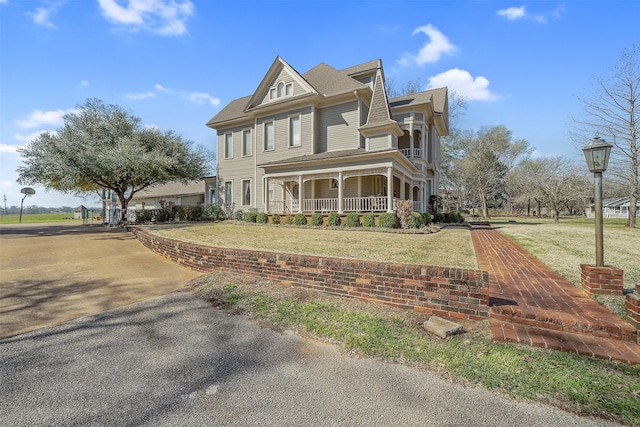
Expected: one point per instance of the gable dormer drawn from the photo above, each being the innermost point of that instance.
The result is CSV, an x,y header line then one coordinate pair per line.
x,y
379,121
281,83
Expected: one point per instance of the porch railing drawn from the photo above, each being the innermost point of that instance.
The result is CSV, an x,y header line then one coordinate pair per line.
x,y
320,205
349,204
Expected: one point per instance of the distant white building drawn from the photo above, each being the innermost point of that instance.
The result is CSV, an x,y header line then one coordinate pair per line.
x,y
614,208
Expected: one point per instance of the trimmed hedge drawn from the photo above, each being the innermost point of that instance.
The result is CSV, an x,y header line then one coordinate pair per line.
x,y
334,219
275,219
352,220
388,220
317,219
300,219
251,216
369,220
414,220
262,218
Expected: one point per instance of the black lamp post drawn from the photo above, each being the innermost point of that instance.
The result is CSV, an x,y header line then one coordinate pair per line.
x,y
597,155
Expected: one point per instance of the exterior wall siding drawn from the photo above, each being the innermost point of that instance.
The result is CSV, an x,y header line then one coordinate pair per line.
x,y
379,142
339,127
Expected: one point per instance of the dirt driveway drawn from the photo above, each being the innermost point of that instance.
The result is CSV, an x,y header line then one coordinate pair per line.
x,y
50,273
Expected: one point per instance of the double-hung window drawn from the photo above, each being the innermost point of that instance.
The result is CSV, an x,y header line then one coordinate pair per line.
x,y
246,192
246,143
228,192
268,136
294,131
228,146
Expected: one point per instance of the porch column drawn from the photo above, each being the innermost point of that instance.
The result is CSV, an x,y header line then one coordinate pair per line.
x,y
389,189
403,183
340,190
265,194
411,140
300,193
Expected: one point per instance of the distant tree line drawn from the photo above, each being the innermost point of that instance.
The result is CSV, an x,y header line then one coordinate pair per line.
x,y
13,210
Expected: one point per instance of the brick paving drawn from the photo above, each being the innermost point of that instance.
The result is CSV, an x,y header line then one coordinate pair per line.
x,y
533,305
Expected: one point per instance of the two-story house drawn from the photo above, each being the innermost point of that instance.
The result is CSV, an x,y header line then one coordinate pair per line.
x,y
329,140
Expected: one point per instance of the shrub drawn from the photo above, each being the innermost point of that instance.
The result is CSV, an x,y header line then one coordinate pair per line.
x,y
191,213
415,220
300,219
317,219
426,218
388,220
250,216
275,219
145,215
262,218
238,215
213,211
288,219
334,219
369,220
167,212
352,220
404,212
438,217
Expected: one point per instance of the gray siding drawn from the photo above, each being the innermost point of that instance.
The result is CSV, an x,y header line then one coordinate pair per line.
x,y
338,127
379,142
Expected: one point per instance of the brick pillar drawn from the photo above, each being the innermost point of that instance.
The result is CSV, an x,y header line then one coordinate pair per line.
x,y
633,310
605,280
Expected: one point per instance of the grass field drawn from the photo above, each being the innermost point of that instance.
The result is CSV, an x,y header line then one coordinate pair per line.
x,y
571,242
448,247
31,218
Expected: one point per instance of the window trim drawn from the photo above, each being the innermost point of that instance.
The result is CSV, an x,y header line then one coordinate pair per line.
x,y
243,181
228,149
290,136
250,152
273,135
226,193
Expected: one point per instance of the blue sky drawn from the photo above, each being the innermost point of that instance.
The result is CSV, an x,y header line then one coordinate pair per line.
x,y
176,63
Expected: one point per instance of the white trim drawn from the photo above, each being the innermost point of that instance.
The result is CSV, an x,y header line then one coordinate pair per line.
x,y
250,143
228,155
273,135
242,201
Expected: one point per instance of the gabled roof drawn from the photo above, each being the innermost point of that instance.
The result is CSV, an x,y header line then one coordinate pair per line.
x,y
438,97
329,81
172,189
321,79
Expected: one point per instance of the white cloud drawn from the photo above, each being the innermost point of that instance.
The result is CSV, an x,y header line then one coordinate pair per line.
x,y
201,98
165,17
161,88
42,15
9,149
6,184
140,95
432,51
513,13
463,83
84,83
30,137
39,118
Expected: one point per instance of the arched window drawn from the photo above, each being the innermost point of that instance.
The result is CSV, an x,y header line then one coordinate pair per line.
x,y
280,89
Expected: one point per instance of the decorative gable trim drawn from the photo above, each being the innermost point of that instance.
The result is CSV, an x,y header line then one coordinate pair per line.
x,y
266,84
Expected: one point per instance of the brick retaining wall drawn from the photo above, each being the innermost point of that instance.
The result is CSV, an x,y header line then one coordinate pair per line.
x,y
450,292
605,280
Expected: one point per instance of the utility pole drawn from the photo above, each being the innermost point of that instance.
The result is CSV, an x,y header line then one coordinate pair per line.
x,y
5,204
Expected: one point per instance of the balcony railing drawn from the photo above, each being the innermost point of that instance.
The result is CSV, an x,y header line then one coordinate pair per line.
x,y
407,152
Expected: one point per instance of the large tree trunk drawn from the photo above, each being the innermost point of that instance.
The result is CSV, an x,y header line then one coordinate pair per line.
x,y
485,208
633,212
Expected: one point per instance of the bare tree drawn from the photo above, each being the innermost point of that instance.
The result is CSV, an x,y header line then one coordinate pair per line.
x,y
481,161
613,110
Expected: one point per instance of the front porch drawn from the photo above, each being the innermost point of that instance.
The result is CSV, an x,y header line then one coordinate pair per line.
x,y
349,204
367,190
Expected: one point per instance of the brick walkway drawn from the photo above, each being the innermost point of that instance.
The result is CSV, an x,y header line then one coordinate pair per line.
x,y
533,305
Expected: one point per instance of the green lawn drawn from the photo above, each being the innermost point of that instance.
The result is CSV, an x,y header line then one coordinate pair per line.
x,y
451,247
30,218
571,242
